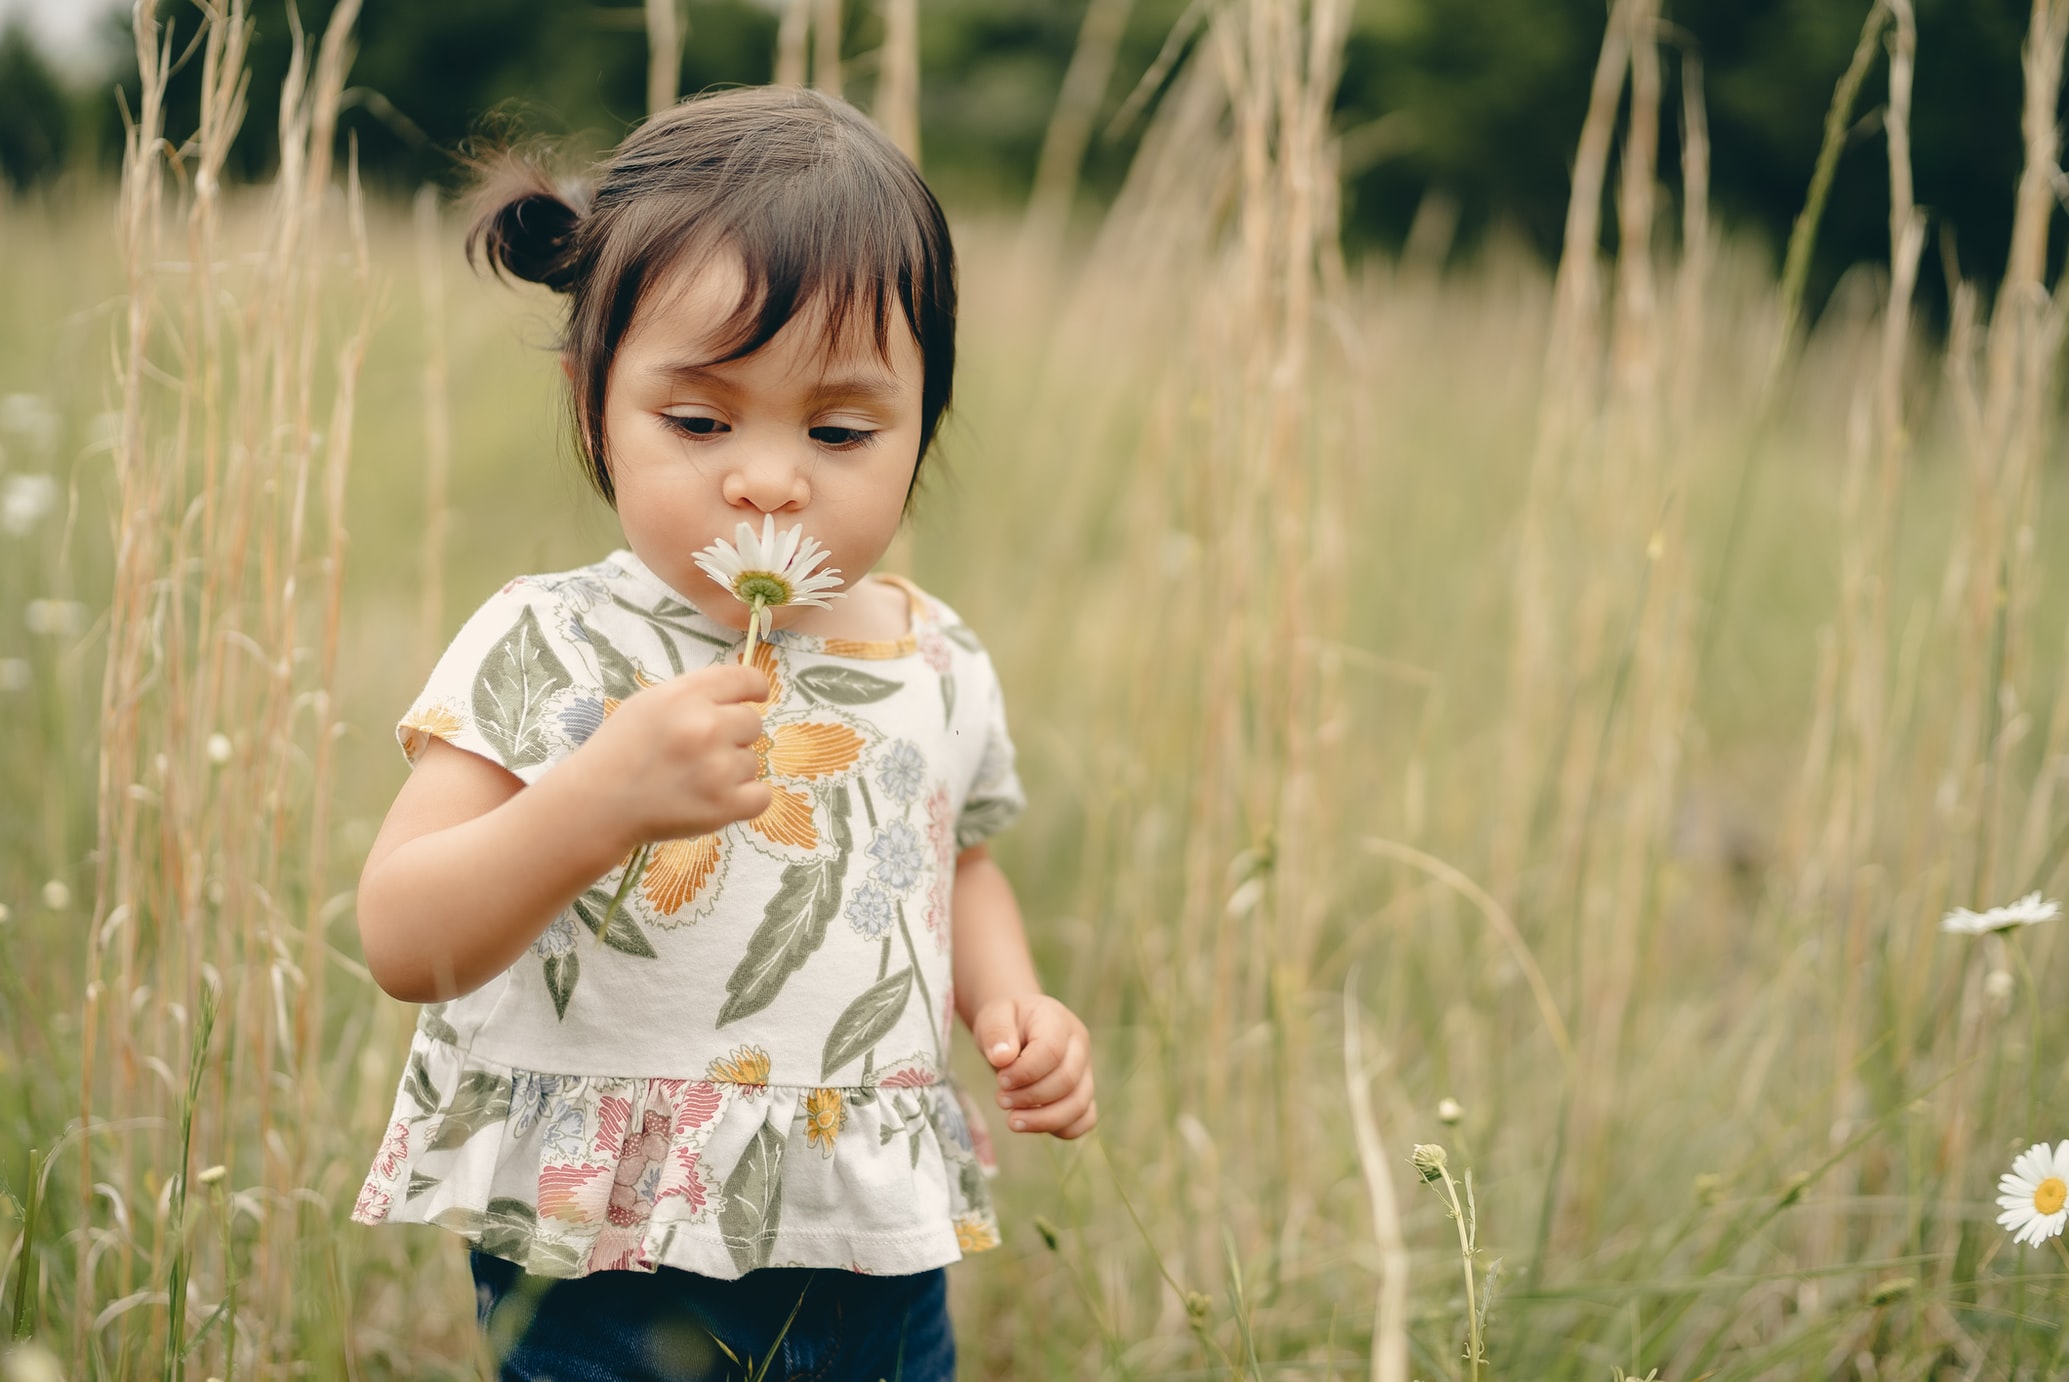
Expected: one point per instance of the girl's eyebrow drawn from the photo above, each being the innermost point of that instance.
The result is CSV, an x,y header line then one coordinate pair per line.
x,y
854,388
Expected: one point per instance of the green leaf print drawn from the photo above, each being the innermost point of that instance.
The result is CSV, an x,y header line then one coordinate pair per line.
x,y
623,933
562,971
482,1098
520,675
983,818
418,1084
752,1201
962,637
431,1022
671,619
947,698
419,1183
506,1229
867,1021
843,685
793,926
620,678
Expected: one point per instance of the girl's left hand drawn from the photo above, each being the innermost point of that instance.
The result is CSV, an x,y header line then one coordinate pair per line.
x,y
1044,1058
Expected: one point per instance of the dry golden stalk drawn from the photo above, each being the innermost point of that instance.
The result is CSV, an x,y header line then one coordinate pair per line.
x,y
665,34
898,80
218,709
826,46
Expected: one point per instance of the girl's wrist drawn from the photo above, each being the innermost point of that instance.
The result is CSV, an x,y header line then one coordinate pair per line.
x,y
578,795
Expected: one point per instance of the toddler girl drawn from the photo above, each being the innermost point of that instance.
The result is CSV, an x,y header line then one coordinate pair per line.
x,y
691,924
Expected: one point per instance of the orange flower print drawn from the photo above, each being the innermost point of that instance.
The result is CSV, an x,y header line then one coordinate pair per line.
x,y
795,751
825,1116
974,1234
420,727
743,1065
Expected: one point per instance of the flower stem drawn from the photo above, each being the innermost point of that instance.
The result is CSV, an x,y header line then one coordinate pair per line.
x,y
755,615
1465,1249
632,872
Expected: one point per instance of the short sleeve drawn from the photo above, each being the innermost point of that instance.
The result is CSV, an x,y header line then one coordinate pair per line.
x,y
995,799
513,686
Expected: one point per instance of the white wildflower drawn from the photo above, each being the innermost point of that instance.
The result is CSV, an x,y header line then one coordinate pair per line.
x,y
1449,1112
2034,1192
63,617
25,501
15,674
219,749
56,895
768,570
2027,911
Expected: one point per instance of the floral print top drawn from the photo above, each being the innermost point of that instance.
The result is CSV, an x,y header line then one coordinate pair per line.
x,y
746,1064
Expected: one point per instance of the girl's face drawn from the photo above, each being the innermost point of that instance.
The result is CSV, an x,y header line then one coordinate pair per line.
x,y
816,432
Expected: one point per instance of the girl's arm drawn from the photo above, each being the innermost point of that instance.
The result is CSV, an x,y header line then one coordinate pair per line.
x,y
1039,1047
471,865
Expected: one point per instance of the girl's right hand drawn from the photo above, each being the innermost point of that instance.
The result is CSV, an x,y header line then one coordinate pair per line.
x,y
677,759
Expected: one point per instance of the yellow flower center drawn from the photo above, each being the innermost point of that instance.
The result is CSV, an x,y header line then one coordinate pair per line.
x,y
2049,1195
764,586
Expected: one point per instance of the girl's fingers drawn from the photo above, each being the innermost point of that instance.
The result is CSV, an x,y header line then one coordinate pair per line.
x,y
1051,1087
1043,1052
1086,1122
1053,1117
740,725
732,682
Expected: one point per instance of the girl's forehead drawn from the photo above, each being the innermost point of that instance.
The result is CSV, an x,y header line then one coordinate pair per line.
x,y
698,313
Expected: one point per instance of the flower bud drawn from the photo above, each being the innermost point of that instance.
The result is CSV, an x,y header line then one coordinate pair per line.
x,y
1047,1230
1428,1160
1449,1111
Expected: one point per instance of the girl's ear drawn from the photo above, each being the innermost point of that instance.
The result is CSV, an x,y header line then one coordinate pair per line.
x,y
567,367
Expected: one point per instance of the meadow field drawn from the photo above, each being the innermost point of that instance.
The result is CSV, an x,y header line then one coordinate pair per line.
x,y
1539,712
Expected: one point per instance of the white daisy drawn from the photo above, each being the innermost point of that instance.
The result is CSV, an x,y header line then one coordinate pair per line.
x,y
2027,911
765,571
2033,1193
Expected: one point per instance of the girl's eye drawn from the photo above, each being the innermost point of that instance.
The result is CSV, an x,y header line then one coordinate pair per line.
x,y
842,438
694,425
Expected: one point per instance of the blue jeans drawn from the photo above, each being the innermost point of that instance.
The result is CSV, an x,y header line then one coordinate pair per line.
x,y
676,1326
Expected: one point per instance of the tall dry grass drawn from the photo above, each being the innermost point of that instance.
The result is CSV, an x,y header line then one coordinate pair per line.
x,y
1575,695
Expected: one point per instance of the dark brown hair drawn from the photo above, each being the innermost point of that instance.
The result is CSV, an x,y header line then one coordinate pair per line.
x,y
823,210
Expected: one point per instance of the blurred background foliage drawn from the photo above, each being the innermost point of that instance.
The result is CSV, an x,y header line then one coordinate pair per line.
x,y
1458,117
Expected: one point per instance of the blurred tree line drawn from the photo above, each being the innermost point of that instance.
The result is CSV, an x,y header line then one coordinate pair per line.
x,y
1458,116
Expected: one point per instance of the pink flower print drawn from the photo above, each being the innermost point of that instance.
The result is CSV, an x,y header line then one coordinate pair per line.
x,y
941,836
632,1189
373,1204
695,1105
934,648
613,1112
394,1153
568,1192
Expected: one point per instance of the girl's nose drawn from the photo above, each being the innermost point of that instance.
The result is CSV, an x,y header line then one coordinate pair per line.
x,y
769,483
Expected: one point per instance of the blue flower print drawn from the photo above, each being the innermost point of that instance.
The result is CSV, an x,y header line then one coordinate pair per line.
x,y
558,939
581,717
869,911
564,1133
899,856
531,1094
903,772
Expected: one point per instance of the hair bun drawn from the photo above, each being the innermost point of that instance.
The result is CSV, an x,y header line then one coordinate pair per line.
x,y
528,231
